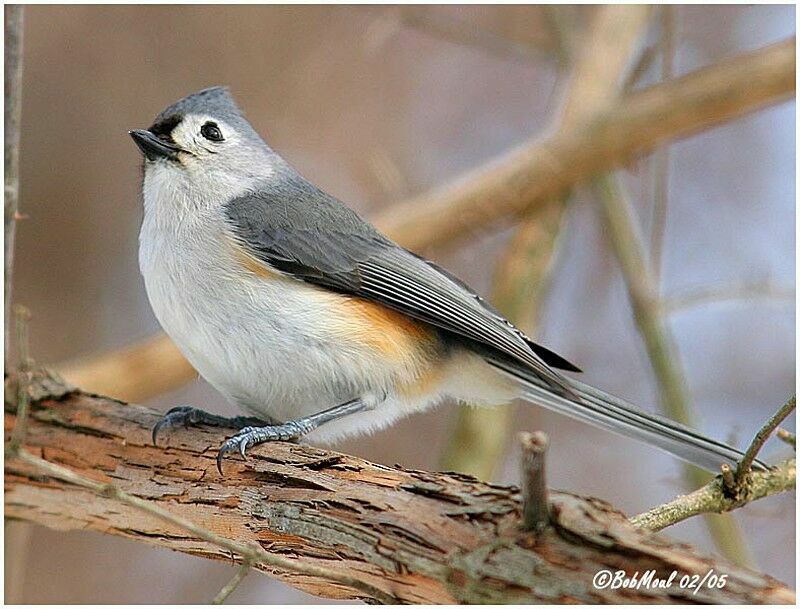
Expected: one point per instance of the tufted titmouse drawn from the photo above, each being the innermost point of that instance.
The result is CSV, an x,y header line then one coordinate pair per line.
x,y
304,315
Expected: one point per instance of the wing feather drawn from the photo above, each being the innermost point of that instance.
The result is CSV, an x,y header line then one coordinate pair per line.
x,y
315,238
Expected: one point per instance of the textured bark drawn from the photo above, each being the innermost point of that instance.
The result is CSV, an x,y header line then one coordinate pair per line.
x,y
422,537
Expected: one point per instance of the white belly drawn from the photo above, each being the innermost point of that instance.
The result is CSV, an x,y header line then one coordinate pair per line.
x,y
264,343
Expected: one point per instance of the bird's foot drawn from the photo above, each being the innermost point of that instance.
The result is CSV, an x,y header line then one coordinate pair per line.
x,y
183,416
252,436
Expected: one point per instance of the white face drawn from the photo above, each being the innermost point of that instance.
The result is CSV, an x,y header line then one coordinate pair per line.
x,y
216,162
202,136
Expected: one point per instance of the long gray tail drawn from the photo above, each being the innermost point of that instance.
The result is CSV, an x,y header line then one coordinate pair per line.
x,y
616,415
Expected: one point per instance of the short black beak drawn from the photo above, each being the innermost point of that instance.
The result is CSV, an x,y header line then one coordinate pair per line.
x,y
152,147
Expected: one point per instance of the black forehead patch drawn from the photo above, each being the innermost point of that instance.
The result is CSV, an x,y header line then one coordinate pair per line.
x,y
164,125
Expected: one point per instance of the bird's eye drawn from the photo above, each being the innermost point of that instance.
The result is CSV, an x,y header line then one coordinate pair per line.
x,y
211,132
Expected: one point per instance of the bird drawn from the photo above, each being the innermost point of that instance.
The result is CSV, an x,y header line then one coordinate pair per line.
x,y
307,318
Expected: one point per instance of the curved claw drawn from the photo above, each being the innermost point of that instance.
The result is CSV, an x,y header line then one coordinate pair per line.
x,y
169,419
220,454
156,428
227,447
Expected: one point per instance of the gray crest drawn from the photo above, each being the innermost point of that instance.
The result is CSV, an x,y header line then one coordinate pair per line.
x,y
216,102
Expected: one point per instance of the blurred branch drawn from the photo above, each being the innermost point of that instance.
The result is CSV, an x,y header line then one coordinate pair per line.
x,y
516,183
511,185
462,32
137,372
17,535
353,529
661,157
234,582
744,291
788,437
627,246
480,435
11,120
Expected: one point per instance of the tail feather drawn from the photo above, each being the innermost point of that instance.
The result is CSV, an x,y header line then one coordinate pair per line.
x,y
616,415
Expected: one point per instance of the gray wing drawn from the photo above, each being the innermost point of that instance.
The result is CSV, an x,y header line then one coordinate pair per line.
x,y
301,231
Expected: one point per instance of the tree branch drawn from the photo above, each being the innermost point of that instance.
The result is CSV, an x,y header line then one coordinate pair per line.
x,y
729,491
511,185
713,498
11,121
319,516
742,291
134,373
743,471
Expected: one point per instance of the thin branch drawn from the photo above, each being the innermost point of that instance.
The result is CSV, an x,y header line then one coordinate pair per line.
x,y
730,490
646,59
234,582
11,121
714,499
743,470
21,317
511,186
662,157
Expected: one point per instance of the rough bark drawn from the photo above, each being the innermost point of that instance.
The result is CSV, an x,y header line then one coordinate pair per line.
x,y
421,537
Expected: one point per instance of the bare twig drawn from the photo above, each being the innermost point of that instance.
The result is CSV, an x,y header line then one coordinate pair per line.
x,y
713,497
12,114
234,582
535,502
743,470
731,489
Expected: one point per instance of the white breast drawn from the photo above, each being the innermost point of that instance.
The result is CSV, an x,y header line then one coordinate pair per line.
x,y
262,343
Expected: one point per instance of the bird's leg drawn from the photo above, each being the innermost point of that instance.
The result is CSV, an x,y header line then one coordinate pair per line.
x,y
291,430
183,416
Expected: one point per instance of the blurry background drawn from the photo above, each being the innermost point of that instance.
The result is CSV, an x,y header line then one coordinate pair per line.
x,y
376,104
